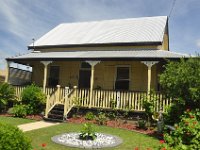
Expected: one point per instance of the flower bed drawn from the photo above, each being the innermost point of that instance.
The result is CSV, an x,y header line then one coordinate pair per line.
x,y
116,124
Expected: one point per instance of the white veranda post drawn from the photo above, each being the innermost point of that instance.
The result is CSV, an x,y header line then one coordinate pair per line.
x,y
45,63
92,64
149,64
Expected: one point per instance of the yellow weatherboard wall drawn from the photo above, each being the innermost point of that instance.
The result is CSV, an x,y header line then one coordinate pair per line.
x,y
104,76
146,47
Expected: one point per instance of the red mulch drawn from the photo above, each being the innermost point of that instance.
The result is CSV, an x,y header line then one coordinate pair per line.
x,y
6,115
34,117
109,123
115,124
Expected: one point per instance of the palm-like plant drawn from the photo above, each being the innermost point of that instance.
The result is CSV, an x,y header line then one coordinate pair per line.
x,y
7,94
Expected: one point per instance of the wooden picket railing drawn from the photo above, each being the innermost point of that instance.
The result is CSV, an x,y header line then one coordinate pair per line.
x,y
70,95
51,101
104,99
123,100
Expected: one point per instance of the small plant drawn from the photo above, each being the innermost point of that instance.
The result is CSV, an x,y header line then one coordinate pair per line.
x,y
101,119
34,97
149,103
127,111
74,116
7,95
77,102
111,115
20,110
88,132
113,103
11,138
141,124
89,116
187,133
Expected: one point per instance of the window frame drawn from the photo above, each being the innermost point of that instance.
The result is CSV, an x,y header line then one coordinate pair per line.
x,y
115,78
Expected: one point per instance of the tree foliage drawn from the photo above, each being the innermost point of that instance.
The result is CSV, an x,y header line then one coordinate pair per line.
x,y
187,133
11,138
34,98
181,81
7,95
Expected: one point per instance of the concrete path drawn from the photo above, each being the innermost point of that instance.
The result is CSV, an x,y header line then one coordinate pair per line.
x,y
36,125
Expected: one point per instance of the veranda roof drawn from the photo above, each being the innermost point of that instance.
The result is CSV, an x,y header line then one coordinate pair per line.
x,y
101,55
133,30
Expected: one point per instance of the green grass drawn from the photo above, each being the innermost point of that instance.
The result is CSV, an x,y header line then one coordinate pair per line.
x,y
14,121
130,139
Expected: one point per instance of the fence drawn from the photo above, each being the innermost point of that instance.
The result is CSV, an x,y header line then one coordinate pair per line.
x,y
104,99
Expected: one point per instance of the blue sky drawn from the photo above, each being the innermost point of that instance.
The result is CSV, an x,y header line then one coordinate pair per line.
x,y
22,20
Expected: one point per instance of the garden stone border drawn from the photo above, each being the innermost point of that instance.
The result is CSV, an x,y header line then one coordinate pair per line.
x,y
59,140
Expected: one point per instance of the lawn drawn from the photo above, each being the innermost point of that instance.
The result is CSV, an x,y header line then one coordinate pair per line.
x,y
131,139
14,121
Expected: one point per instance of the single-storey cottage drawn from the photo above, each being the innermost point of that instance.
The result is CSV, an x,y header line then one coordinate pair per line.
x,y
103,60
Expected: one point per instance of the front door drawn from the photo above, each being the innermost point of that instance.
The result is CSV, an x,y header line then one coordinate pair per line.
x,y
84,78
54,76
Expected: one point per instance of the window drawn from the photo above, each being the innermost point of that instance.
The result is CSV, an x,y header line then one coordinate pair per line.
x,y
122,78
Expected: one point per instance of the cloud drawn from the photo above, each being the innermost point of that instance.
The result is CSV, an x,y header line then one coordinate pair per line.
x,y
22,20
198,43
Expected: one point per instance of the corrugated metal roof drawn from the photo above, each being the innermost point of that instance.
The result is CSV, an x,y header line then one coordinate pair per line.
x,y
101,55
133,30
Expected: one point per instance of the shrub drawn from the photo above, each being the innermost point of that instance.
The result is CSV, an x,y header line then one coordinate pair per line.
x,y
7,95
141,124
89,116
111,115
88,132
11,138
149,104
77,102
20,110
34,98
181,81
113,103
101,119
173,112
187,133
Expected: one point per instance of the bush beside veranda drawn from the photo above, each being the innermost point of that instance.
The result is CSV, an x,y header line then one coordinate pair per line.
x,y
11,138
34,98
20,110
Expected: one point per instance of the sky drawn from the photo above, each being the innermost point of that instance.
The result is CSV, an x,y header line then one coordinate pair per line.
x,y
23,20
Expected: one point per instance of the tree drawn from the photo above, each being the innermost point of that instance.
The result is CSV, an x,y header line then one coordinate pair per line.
x,y
181,81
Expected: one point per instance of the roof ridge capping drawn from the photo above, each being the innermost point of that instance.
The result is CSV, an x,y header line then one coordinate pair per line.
x,y
110,20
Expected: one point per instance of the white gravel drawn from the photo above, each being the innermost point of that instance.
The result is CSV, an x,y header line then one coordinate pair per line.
x,y
72,140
